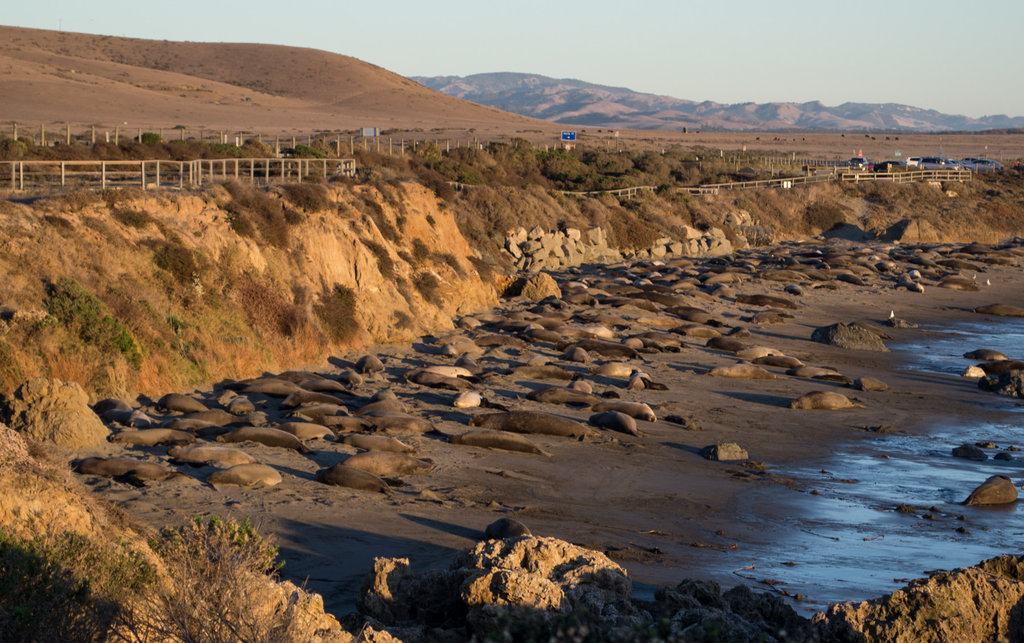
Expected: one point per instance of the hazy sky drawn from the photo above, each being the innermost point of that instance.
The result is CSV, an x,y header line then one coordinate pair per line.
x,y
952,56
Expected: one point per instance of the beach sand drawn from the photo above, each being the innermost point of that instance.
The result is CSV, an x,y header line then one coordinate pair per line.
x,y
651,502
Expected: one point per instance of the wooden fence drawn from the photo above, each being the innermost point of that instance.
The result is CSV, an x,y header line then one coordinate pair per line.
x,y
160,173
849,177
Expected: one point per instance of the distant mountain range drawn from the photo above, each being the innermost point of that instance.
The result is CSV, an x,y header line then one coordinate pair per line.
x,y
574,102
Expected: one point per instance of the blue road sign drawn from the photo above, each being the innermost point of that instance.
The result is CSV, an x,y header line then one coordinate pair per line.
x,y
568,136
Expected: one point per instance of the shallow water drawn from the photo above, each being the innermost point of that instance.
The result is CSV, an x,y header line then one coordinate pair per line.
x,y
848,541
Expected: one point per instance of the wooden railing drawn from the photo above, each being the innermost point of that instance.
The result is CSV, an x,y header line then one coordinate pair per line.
x,y
22,175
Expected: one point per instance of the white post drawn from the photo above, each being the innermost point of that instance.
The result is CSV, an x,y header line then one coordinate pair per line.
x,y
62,173
142,166
103,174
158,174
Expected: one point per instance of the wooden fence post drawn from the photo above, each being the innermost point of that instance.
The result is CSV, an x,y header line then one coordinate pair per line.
x,y
42,136
92,135
67,133
117,135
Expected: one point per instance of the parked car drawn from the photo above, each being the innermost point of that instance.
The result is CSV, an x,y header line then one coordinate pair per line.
x,y
862,164
890,166
981,165
938,163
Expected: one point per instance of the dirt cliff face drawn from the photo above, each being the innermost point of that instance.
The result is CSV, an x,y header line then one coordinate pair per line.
x,y
128,292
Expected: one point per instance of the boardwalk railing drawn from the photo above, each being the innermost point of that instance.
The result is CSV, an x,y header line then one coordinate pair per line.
x,y
850,177
160,173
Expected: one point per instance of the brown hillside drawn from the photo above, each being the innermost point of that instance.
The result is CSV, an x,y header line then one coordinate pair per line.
x,y
59,76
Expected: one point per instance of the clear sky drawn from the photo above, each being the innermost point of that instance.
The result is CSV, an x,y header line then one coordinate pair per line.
x,y
954,56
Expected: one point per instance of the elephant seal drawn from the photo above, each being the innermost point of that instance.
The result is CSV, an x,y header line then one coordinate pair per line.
x,y
467,400
997,490
637,410
433,379
390,404
207,454
271,387
377,443
560,395
543,372
613,369
1000,310
503,528
779,361
265,436
985,355
490,439
306,430
388,463
343,476
195,426
767,300
241,406
823,400
302,396
396,422
179,403
320,384
127,417
615,421
318,410
127,467
246,475
727,344
741,371
110,404
152,437
602,347
369,364
531,422
219,417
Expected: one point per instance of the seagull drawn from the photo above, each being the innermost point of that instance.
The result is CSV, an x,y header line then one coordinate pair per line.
x,y
892,314
988,282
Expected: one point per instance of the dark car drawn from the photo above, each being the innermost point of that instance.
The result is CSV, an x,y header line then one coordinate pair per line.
x,y
890,166
862,164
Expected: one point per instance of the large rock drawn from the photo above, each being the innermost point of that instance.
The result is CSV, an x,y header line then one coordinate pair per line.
x,y
56,412
1009,383
980,603
486,585
911,231
540,286
849,336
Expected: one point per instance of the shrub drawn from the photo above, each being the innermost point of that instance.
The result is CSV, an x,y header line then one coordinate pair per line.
x,y
305,151
337,311
85,316
311,197
823,216
385,264
420,252
216,569
176,259
251,209
151,138
131,218
67,589
428,286
268,309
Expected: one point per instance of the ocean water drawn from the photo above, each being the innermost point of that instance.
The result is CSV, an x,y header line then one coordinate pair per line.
x,y
850,540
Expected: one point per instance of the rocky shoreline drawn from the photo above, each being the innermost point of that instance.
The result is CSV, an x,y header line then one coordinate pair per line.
x,y
586,408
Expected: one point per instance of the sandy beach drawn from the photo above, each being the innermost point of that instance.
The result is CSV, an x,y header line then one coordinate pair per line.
x,y
791,518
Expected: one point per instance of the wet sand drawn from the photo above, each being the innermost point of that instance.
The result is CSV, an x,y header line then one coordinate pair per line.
x,y
806,512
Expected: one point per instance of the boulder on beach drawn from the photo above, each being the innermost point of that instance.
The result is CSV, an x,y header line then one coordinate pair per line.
x,y
724,452
56,412
1009,383
980,603
849,336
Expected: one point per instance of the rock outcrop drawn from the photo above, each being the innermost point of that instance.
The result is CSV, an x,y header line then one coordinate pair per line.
x,y
980,603
55,412
536,250
1009,383
849,336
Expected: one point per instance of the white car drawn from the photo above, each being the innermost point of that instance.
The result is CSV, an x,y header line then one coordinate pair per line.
x,y
914,161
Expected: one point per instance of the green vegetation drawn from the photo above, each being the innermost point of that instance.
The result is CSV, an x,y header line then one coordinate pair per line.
x,y
337,312
85,316
69,589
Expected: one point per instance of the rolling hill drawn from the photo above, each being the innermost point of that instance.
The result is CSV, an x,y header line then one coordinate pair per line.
x,y
576,102
51,76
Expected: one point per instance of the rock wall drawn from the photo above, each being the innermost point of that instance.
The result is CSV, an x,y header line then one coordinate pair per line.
x,y
536,250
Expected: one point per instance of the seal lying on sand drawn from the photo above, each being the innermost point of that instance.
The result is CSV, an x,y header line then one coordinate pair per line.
x,y
265,436
246,475
531,422
116,467
217,456
152,437
377,443
388,463
824,401
490,439
997,490
342,476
